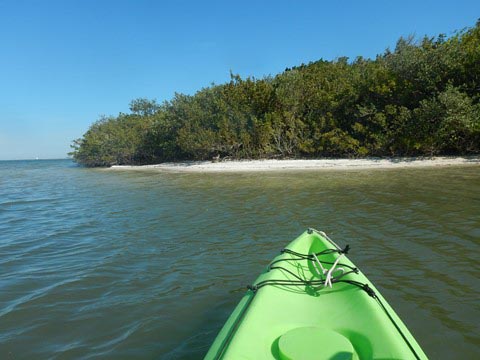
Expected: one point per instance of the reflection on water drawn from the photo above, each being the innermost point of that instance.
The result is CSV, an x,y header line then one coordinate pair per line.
x,y
150,264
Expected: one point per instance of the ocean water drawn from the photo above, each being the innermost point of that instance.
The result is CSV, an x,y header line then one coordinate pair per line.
x,y
98,263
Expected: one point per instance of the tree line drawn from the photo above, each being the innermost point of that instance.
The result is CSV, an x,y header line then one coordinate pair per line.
x,y
422,98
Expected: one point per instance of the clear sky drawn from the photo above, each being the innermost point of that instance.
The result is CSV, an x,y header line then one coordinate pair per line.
x,y
64,63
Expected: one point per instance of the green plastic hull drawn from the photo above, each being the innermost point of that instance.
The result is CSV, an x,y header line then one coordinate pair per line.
x,y
310,320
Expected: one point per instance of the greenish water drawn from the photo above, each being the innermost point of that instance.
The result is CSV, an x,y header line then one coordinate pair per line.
x,y
98,263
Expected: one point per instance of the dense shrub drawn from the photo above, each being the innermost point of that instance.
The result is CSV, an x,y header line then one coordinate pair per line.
x,y
420,99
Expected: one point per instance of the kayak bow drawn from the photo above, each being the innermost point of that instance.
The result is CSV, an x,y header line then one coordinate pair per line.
x,y
312,302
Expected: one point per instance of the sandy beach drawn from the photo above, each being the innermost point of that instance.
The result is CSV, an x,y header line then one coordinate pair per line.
x,y
319,164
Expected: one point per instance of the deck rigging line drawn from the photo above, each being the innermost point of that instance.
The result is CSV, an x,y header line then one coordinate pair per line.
x,y
328,279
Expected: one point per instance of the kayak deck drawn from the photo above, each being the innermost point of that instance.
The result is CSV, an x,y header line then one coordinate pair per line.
x,y
313,303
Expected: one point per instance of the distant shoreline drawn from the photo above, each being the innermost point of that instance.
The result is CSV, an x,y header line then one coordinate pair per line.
x,y
318,164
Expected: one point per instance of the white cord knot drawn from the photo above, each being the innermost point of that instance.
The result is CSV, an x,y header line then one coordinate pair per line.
x,y
328,279
328,272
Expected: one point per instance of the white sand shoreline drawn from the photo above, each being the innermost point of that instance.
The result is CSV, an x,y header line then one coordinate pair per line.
x,y
318,164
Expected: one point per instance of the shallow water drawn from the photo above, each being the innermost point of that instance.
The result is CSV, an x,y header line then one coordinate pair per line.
x,y
98,263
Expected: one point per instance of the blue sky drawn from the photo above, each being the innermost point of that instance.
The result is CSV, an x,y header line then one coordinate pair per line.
x,y
65,63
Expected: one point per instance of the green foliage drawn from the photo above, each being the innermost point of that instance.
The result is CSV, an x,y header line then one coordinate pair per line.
x,y
144,107
420,99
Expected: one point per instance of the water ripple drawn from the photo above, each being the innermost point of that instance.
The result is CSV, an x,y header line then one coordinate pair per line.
x,y
147,265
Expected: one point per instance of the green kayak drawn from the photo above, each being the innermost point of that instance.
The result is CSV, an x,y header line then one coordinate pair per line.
x,y
313,303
